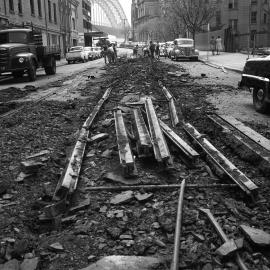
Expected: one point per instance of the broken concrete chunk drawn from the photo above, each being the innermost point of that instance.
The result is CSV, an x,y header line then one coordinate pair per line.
x,y
123,197
42,153
30,166
143,197
125,262
107,153
120,179
98,138
3,187
227,248
10,265
29,264
198,237
115,213
56,247
81,206
107,122
256,236
21,177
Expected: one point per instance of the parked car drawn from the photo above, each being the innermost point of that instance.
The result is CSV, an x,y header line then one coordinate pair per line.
x,y
256,78
263,51
88,50
184,49
98,51
77,53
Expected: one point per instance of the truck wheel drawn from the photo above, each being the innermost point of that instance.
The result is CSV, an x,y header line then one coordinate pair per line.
x,y
51,70
17,74
32,72
259,102
69,62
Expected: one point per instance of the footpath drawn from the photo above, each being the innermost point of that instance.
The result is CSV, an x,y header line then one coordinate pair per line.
x,y
230,61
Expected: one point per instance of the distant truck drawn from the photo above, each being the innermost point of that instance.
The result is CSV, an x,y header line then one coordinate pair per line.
x,y
22,51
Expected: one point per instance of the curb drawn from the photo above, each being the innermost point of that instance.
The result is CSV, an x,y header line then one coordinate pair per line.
x,y
220,67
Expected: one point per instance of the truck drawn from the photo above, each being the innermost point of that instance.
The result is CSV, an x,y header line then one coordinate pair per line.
x,y
22,51
256,78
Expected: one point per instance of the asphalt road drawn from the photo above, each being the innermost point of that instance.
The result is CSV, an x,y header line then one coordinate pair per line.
x,y
62,72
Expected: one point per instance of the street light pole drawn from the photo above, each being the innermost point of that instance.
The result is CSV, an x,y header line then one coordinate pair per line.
x,y
249,18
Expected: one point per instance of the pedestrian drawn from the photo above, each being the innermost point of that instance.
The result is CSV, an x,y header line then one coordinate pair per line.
x,y
115,51
213,45
146,51
157,51
104,52
135,50
218,45
111,54
152,48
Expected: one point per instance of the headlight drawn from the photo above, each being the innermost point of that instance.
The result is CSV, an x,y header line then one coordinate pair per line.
x,y
21,60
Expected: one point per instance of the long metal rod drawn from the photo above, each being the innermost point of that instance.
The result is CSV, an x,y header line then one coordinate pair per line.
x,y
178,228
158,187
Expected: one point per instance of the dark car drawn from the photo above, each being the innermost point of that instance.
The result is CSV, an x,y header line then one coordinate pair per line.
x,y
256,77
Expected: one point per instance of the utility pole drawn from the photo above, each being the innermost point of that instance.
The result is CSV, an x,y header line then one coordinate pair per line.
x,y
249,18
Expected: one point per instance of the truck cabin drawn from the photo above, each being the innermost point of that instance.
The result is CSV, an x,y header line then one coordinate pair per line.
x,y
20,36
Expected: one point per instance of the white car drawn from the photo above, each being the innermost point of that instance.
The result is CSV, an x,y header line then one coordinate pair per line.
x,y
77,53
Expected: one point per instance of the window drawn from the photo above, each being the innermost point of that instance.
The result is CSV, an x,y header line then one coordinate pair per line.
x,y
13,37
218,17
253,17
39,8
49,10
20,6
233,4
254,2
54,13
32,7
233,24
264,18
73,24
11,5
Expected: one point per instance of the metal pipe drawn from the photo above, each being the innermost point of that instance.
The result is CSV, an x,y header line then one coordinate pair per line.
x,y
177,236
157,187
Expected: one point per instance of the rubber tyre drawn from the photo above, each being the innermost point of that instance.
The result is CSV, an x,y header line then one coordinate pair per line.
x,y
69,62
17,74
259,96
51,70
32,72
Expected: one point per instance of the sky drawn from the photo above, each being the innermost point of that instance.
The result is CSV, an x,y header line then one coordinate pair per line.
x,y
126,4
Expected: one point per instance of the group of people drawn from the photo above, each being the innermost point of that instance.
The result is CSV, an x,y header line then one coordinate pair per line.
x,y
153,50
109,52
216,45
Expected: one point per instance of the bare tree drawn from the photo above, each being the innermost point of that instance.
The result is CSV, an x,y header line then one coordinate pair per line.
x,y
194,14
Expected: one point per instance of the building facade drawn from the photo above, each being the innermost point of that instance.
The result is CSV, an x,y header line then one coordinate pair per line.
x,y
144,17
53,18
241,24
84,23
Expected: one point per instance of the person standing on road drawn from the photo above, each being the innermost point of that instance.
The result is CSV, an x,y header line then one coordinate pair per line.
x,y
213,45
115,51
104,52
218,45
157,50
152,48
135,50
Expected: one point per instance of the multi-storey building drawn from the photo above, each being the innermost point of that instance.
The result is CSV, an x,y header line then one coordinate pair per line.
x,y
84,23
144,15
241,23
55,19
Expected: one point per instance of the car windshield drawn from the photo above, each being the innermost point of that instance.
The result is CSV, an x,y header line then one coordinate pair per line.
x,y
184,42
76,49
13,37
